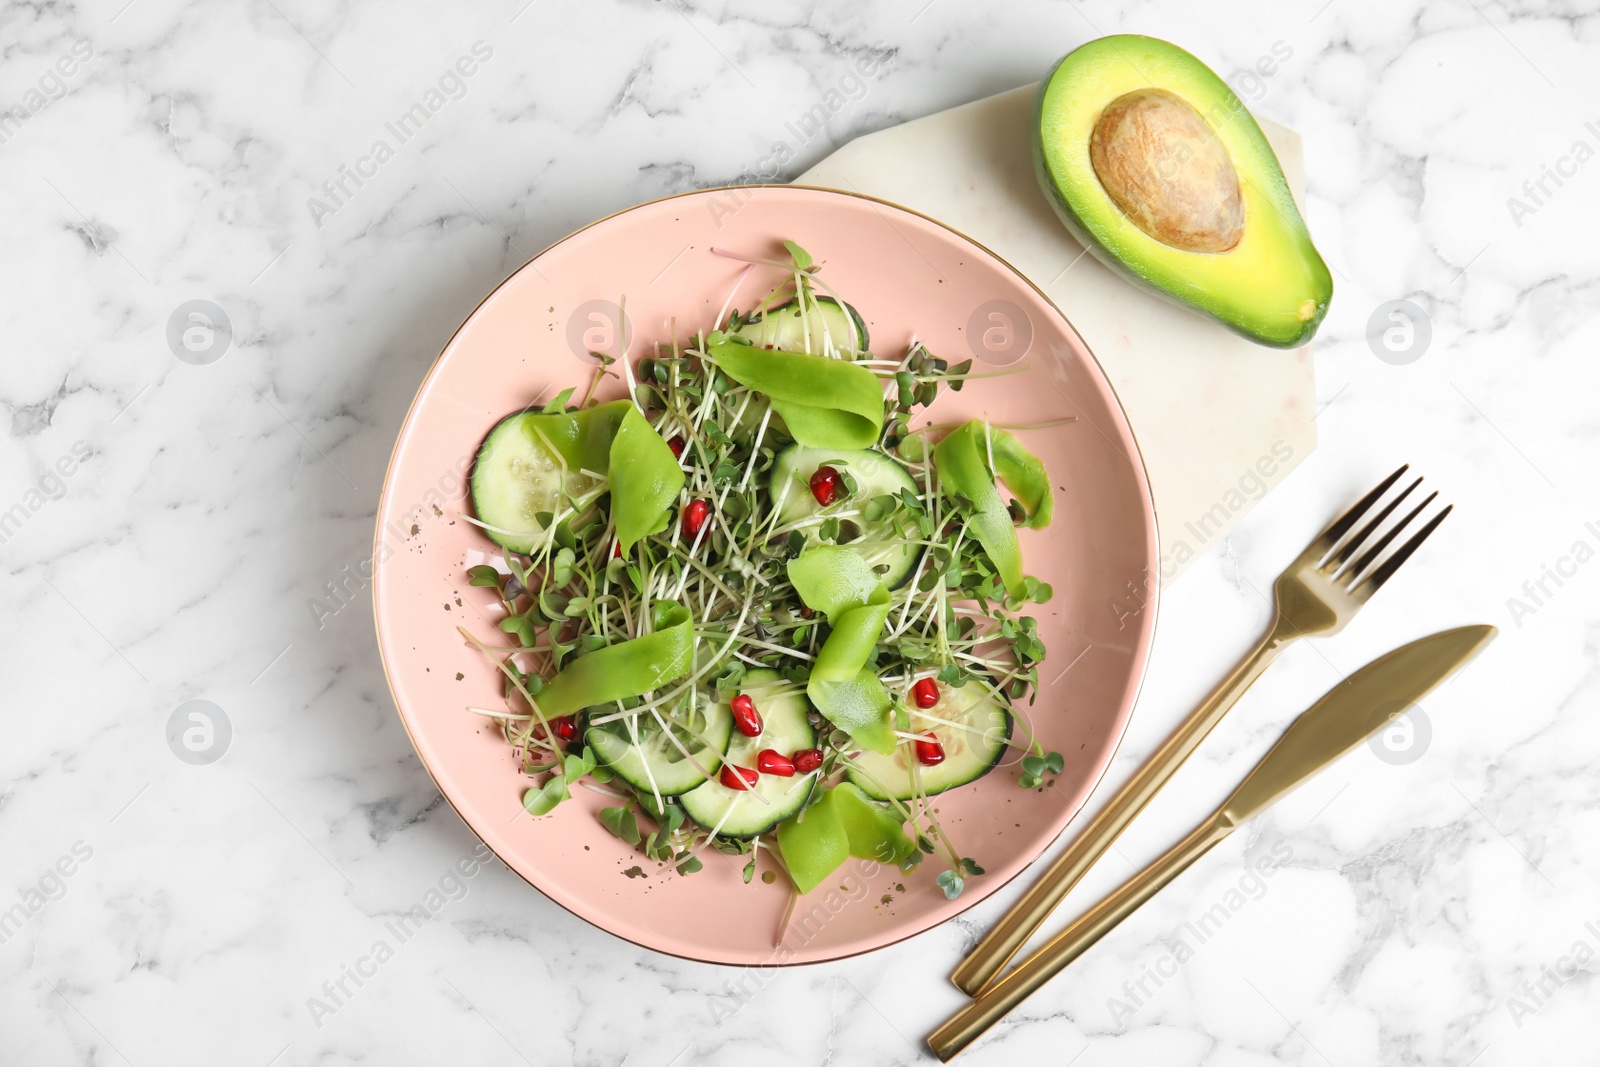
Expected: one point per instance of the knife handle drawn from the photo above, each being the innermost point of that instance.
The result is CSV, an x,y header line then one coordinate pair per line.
x,y
1018,924
968,1024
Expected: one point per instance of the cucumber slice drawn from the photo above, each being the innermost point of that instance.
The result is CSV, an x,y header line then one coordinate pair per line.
x,y
786,327
880,542
640,752
514,477
785,729
970,722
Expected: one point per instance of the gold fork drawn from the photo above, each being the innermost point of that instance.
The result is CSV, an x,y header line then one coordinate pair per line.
x,y
1318,593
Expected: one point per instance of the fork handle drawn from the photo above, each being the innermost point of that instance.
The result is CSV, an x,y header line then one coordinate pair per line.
x,y
996,1001
1008,935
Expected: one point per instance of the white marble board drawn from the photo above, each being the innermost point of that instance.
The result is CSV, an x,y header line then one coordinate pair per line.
x,y
1219,420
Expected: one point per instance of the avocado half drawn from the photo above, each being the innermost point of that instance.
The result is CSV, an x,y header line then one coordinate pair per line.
x,y
1158,169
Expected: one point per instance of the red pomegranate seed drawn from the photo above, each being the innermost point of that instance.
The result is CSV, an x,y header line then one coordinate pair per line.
x,y
825,485
745,716
740,778
930,752
806,613
807,760
770,761
925,693
694,516
565,727
616,550
676,444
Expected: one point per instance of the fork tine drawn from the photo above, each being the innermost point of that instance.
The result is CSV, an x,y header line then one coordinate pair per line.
x,y
1403,553
1341,526
1349,575
1366,531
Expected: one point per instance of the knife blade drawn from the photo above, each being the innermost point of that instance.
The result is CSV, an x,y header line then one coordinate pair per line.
x,y
1352,711
1347,714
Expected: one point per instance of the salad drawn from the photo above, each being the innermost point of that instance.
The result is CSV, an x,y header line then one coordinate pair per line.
x,y
756,606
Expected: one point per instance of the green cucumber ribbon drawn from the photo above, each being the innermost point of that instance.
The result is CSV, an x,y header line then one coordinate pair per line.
x,y
616,442
844,587
826,403
843,823
962,460
627,668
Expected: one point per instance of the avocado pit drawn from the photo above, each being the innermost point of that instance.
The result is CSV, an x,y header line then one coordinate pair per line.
x,y
1168,172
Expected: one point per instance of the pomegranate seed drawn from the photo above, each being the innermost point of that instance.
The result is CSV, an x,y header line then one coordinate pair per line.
x,y
565,727
693,519
676,444
745,716
925,693
740,778
930,752
825,485
807,760
806,613
616,550
770,761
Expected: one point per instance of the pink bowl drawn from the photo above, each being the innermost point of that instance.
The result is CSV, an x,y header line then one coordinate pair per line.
x,y
909,276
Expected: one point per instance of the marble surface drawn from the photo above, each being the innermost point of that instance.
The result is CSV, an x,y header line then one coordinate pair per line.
x,y
1220,420
183,530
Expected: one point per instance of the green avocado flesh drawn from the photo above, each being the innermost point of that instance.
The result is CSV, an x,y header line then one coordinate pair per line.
x,y
1158,169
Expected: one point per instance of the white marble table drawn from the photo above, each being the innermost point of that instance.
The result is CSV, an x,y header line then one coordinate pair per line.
x,y
197,530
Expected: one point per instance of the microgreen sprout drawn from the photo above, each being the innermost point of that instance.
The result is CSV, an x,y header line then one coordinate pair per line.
x,y
574,593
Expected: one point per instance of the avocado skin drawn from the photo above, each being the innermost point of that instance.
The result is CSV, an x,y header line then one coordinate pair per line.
x,y
1080,231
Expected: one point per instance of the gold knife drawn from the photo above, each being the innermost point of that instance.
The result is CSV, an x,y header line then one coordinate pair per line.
x,y
1346,715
